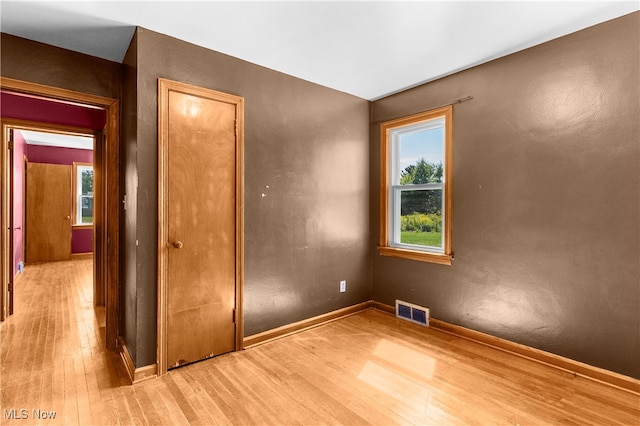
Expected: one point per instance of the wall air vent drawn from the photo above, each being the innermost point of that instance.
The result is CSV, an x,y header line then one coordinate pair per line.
x,y
413,313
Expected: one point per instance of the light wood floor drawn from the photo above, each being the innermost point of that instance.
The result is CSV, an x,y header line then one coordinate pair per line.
x,y
369,368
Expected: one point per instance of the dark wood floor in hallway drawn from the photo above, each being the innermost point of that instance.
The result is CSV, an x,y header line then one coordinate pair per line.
x,y
368,368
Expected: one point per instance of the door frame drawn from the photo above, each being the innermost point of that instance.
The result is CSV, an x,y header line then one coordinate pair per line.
x,y
9,134
164,87
106,241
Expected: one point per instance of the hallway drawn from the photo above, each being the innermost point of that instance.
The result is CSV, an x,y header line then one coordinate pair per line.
x,y
53,356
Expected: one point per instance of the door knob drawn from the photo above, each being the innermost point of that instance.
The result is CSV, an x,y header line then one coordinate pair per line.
x,y
178,244
68,217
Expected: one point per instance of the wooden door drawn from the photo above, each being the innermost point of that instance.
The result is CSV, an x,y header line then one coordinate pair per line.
x,y
200,219
48,236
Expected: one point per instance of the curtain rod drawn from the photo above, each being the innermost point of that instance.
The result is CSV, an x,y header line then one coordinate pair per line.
x,y
459,101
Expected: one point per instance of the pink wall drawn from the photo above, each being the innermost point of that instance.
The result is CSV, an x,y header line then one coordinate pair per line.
x,y
57,155
81,239
40,110
18,203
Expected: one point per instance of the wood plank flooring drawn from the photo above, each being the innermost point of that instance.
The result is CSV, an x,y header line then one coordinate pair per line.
x,y
369,368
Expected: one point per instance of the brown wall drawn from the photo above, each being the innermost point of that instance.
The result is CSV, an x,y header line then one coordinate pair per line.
x,y
40,63
306,150
546,199
129,182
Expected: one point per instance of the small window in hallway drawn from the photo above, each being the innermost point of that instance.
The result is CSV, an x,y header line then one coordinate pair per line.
x,y
83,193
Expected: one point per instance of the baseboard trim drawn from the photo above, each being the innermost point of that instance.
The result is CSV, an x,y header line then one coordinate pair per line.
x,y
566,364
76,256
136,375
383,307
285,330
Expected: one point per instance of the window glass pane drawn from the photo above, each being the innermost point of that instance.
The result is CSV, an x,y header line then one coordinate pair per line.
x,y
87,209
420,156
421,217
87,181
84,194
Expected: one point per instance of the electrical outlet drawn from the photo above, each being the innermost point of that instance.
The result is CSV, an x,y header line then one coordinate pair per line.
x,y
343,286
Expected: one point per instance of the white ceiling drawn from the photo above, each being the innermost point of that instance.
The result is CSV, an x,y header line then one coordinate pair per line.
x,y
367,48
56,139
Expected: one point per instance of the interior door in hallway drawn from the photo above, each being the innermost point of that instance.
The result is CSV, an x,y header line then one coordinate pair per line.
x,y
48,231
199,146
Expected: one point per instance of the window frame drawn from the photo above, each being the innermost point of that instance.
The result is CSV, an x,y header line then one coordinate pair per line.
x,y
77,166
390,219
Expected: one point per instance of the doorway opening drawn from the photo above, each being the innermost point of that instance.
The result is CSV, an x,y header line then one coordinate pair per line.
x,y
52,197
97,201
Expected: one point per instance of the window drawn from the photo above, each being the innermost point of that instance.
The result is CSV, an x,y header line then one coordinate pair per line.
x,y
415,187
83,194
